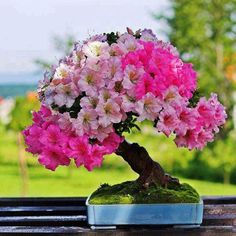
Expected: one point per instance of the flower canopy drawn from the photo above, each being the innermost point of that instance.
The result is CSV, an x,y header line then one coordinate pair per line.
x,y
108,84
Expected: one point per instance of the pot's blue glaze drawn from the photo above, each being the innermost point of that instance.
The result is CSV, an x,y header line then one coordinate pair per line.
x,y
145,214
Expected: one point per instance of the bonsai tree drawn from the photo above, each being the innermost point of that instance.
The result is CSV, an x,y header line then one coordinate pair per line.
x,y
104,88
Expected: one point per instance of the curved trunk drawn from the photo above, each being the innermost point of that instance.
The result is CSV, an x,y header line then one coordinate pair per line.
x,y
150,172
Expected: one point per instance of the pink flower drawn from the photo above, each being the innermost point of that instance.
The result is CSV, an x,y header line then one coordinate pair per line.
x,y
188,140
194,139
109,112
43,132
85,121
205,110
101,132
148,35
52,135
114,68
105,94
116,50
127,42
171,96
95,158
188,119
116,85
85,154
144,86
204,136
211,113
129,102
148,107
41,115
79,149
112,142
90,81
78,57
52,156
89,102
49,93
220,115
65,123
188,82
66,94
131,58
167,46
131,76
168,121
32,135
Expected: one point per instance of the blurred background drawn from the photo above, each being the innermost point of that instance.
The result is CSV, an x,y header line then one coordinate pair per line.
x,y
35,34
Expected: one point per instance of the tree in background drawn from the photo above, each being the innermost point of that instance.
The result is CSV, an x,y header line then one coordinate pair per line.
x,y
205,32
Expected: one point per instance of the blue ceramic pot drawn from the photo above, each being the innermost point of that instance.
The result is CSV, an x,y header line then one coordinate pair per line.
x,y
145,214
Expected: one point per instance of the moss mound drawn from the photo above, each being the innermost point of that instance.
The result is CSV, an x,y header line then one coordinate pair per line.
x,y
130,193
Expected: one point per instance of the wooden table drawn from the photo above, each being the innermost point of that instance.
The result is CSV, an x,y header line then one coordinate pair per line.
x,y
67,216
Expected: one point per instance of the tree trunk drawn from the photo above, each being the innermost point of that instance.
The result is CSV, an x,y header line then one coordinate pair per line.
x,y
22,165
150,172
226,177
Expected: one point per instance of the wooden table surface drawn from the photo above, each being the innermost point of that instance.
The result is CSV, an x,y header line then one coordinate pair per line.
x,y
67,216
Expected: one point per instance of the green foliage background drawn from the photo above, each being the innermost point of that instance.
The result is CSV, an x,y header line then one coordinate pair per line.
x,y
204,32
21,115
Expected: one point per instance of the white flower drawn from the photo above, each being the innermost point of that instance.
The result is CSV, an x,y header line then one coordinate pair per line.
x,y
62,71
6,107
96,49
65,94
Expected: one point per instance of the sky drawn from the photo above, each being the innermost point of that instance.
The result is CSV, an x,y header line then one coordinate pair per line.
x,y
28,26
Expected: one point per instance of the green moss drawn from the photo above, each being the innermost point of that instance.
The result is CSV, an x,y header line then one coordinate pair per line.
x,y
129,192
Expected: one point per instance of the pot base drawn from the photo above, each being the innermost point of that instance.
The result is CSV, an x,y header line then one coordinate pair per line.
x,y
145,214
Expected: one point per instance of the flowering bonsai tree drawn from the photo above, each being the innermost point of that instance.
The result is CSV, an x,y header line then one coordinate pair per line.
x,y
107,85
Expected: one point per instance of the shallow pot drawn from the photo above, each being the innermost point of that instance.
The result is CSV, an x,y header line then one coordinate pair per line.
x,y
145,214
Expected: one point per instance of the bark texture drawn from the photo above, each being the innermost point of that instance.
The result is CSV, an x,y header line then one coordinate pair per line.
x,y
150,172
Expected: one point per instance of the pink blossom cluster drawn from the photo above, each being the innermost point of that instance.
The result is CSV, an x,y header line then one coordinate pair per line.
x,y
92,93
193,127
56,147
161,69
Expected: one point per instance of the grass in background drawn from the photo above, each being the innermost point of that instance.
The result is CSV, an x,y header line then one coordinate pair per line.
x,y
80,182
